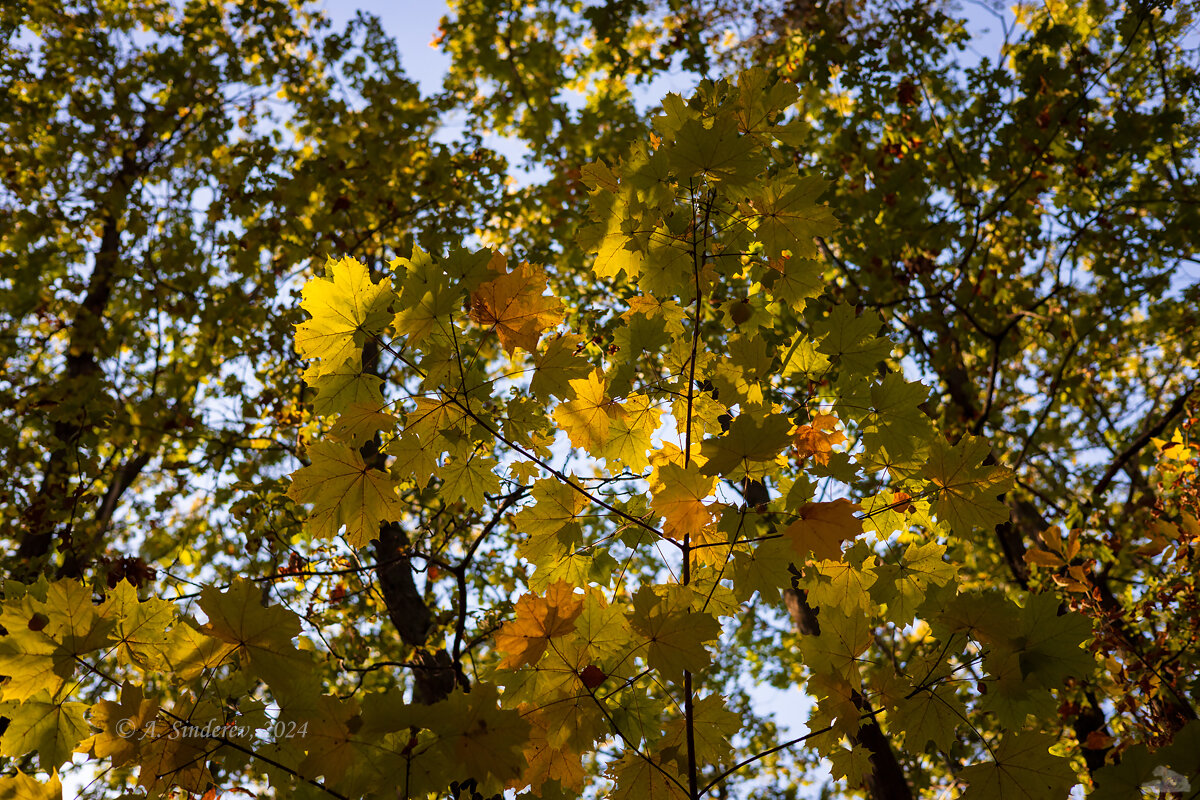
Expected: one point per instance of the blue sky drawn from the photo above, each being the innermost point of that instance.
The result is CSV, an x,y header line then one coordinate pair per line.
x,y
413,23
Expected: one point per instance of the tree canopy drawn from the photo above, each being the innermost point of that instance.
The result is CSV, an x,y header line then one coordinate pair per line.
x,y
342,464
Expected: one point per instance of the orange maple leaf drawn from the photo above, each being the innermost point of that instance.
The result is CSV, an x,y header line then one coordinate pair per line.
x,y
818,438
823,527
516,306
539,619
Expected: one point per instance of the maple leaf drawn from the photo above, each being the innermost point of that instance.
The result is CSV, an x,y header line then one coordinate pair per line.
x,y
719,152
636,778
602,630
122,725
486,739
434,416
818,438
51,728
539,619
967,491
803,359
920,566
551,524
764,569
515,305
789,218
713,725
853,339
844,637
557,557
150,635
546,762
823,527
750,445
344,491
1175,767
168,759
847,585
556,365
761,99
587,418
1049,645
140,628
1023,769
680,500
43,656
346,308
630,431
896,423
328,738
675,634
358,423
931,715
342,386
415,460
470,475
263,635
428,296
555,504
20,786
613,234
853,764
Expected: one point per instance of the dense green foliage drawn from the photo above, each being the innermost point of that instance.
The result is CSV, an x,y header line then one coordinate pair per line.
x,y
870,369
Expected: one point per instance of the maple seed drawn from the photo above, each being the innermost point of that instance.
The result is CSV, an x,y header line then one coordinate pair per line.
x,y
38,621
592,676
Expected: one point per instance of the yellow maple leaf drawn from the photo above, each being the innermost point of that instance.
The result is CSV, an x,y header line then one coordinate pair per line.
x,y
344,491
586,419
823,527
629,433
515,305
345,309
539,619
817,438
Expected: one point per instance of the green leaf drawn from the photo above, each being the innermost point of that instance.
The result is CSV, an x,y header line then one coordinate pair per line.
x,y
341,387
1023,769
713,725
716,153
751,443
471,475
844,637
674,634
50,728
967,491
854,340
853,764
1173,768
46,638
637,778
263,635
920,566
789,217
931,715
